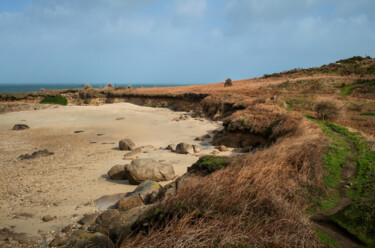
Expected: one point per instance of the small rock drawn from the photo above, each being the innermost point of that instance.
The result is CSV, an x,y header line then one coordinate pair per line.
x,y
198,139
206,136
171,147
223,148
184,148
215,152
47,218
20,127
126,145
120,118
41,153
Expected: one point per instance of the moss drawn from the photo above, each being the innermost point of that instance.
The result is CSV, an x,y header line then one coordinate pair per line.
x,y
55,100
209,164
368,113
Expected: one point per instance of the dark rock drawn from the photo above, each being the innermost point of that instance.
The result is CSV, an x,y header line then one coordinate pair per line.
x,y
184,148
96,240
198,139
47,218
141,170
20,127
107,216
126,145
41,153
206,136
171,147
108,201
88,219
117,172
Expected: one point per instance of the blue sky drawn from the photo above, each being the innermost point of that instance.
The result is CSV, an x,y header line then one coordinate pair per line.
x,y
176,41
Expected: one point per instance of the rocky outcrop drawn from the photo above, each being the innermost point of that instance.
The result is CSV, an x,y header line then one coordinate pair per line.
x,y
141,170
96,240
126,145
117,172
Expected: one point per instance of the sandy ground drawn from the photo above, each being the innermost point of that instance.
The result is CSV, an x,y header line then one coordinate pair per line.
x,y
65,184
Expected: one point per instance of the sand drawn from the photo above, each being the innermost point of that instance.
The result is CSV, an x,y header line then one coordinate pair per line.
x,y
65,184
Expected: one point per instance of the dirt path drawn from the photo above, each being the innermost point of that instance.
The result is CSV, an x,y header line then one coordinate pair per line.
x,y
340,235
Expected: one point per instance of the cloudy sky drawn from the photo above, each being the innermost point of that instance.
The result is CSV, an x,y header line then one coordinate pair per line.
x,y
176,41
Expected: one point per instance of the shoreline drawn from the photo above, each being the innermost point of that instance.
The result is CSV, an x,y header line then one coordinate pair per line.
x,y
66,184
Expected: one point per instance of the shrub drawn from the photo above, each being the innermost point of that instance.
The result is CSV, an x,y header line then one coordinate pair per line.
x,y
42,89
129,86
55,100
87,86
228,82
110,85
327,109
209,164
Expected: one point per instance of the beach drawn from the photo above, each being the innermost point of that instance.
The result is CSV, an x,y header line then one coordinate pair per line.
x,y
84,142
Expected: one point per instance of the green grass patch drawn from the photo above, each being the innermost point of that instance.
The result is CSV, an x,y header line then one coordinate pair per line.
x,y
325,240
54,100
368,113
348,89
359,217
209,164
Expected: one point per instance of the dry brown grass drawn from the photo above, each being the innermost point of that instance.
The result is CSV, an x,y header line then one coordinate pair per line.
x,y
255,201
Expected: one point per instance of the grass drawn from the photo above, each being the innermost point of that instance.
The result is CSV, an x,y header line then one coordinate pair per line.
x,y
209,164
359,217
325,240
55,100
358,119
345,91
368,113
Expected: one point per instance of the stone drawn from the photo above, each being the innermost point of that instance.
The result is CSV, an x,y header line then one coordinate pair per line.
x,y
147,191
206,136
171,147
215,152
196,149
57,241
88,219
47,218
108,201
20,127
141,170
107,216
133,153
129,203
184,148
96,240
117,172
126,145
198,139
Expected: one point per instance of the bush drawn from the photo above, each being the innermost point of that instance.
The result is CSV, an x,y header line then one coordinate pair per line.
x,y
228,82
110,85
87,86
54,100
327,109
129,86
209,164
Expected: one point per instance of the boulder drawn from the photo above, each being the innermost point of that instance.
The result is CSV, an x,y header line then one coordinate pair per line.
x,y
126,145
96,240
88,219
130,202
141,170
20,127
133,153
108,201
222,148
107,216
184,148
117,172
147,191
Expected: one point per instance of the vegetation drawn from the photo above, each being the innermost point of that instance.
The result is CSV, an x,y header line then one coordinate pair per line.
x,y
209,164
55,100
368,113
228,82
327,109
87,86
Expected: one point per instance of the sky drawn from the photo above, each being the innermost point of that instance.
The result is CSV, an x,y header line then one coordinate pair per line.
x,y
176,41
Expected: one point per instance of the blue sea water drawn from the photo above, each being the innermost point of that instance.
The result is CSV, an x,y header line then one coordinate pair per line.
x,y
21,88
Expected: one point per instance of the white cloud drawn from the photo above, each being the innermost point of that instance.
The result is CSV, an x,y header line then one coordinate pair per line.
x,y
191,8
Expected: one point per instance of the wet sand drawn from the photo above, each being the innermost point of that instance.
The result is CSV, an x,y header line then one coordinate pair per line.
x,y
65,184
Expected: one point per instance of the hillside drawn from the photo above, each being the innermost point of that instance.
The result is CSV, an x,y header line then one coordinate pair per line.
x,y
302,180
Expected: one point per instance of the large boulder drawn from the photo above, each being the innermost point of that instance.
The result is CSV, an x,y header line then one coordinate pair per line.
x,y
117,172
148,191
141,170
126,145
129,203
20,127
184,148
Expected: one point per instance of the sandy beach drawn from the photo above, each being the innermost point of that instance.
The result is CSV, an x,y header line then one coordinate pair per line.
x,y
64,185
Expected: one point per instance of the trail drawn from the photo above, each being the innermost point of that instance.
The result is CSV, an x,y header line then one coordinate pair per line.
x,y
339,234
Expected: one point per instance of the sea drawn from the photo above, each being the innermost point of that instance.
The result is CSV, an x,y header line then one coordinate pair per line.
x,y
22,88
